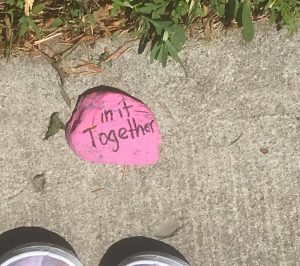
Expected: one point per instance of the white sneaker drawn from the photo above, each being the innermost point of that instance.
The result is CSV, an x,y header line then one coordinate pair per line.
x,y
39,254
157,259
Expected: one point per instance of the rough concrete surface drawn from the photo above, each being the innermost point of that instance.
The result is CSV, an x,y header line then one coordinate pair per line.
x,y
237,205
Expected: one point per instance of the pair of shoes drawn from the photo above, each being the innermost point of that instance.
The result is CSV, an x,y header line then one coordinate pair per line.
x,y
33,246
47,255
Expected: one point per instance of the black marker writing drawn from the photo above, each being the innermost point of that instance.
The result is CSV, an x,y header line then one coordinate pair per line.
x,y
91,134
133,131
108,115
126,107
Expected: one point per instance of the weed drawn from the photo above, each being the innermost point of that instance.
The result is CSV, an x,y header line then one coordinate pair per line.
x,y
19,17
284,11
162,23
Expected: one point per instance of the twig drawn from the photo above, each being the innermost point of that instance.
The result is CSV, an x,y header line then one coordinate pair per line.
x,y
94,69
14,196
48,38
87,73
62,76
56,63
234,141
97,189
124,170
119,52
95,2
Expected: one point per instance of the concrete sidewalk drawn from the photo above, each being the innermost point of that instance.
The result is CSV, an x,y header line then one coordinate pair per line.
x,y
237,205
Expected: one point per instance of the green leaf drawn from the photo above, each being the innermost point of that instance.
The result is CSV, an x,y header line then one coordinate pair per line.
x,y
38,8
160,52
248,29
214,4
164,56
127,4
221,9
145,25
165,36
173,52
114,36
154,51
91,19
272,17
56,23
75,12
117,2
20,4
143,43
115,11
237,6
102,58
55,125
148,8
23,26
230,10
197,10
178,38
159,25
218,6
35,28
145,10
158,13
239,15
182,8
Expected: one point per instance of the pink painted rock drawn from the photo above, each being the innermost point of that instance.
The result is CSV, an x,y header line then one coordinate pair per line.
x,y
112,127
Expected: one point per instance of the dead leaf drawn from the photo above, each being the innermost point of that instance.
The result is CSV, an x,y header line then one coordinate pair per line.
x,y
118,23
8,31
47,50
117,54
28,45
206,10
38,182
86,69
264,150
124,170
168,227
55,125
207,27
101,13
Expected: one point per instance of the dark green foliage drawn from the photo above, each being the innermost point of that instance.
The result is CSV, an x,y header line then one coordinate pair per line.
x,y
161,23
55,125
